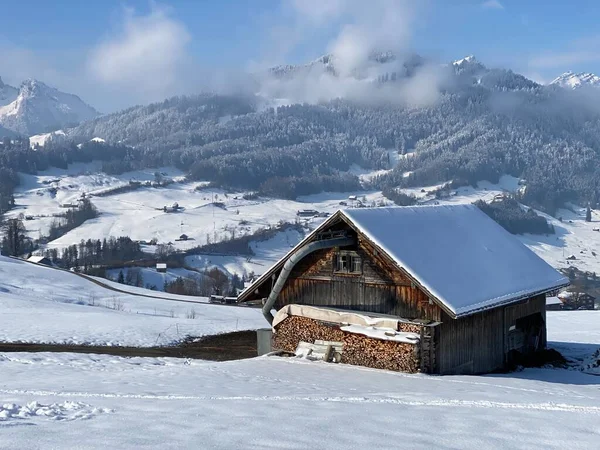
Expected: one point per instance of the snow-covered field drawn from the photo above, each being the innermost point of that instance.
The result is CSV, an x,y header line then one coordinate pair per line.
x,y
40,304
265,254
95,401
138,214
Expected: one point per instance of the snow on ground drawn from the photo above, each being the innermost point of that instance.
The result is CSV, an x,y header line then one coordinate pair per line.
x,y
64,400
41,304
575,335
41,139
139,215
265,254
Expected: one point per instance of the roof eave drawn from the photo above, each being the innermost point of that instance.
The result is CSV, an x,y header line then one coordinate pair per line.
x,y
510,301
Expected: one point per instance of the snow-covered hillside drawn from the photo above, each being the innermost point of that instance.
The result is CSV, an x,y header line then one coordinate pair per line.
x,y
577,80
38,107
139,214
41,304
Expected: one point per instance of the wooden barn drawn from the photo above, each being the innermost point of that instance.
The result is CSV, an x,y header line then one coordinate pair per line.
x,y
445,285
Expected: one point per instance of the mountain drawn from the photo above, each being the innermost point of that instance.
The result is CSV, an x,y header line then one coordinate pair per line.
x,y
8,94
377,63
577,80
35,108
468,64
477,123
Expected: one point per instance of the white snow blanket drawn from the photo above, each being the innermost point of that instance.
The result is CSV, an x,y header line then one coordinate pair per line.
x,y
460,255
44,305
66,401
383,334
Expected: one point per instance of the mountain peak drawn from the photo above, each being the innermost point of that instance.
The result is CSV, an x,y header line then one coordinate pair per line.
x,y
468,65
571,80
470,59
36,108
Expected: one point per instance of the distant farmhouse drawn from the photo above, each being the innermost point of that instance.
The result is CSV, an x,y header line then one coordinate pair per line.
x,y
435,289
553,304
40,260
576,300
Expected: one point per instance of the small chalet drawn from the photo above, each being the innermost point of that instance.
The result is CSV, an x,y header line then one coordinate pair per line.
x,y
435,289
553,304
161,267
307,213
577,300
40,260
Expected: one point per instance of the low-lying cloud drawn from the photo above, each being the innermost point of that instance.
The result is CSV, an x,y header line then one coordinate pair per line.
x,y
367,33
146,55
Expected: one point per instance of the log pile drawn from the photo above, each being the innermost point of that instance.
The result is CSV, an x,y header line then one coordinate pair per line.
x,y
294,329
409,327
358,349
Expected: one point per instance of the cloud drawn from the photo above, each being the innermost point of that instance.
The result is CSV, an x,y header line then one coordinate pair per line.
x,y
492,4
552,60
537,77
364,27
357,31
146,54
319,11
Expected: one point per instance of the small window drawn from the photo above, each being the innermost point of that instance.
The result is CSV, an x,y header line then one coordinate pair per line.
x,y
356,264
347,262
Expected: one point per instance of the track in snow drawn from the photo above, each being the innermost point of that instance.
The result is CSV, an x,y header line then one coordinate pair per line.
x,y
338,399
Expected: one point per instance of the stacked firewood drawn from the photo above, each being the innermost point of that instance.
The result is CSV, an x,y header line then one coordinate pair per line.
x,y
358,349
294,329
365,351
409,327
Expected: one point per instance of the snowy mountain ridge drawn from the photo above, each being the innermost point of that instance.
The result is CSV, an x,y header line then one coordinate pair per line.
x,y
330,63
36,107
573,80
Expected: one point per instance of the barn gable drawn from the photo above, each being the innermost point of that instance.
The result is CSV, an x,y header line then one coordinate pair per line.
x,y
435,258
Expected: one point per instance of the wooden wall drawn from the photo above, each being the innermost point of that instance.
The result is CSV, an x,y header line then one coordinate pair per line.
x,y
379,288
479,343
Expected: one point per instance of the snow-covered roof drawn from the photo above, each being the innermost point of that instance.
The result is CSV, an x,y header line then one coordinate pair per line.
x,y
456,252
553,301
37,259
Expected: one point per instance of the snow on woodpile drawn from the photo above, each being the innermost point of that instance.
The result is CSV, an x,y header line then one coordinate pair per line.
x,y
460,255
333,315
384,334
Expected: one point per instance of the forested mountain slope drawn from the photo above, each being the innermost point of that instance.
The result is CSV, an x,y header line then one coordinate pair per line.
x,y
480,124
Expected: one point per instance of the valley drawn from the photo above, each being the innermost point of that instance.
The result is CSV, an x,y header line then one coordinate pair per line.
x,y
212,215
299,224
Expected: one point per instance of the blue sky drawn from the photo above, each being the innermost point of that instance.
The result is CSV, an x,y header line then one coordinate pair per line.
x,y
114,53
